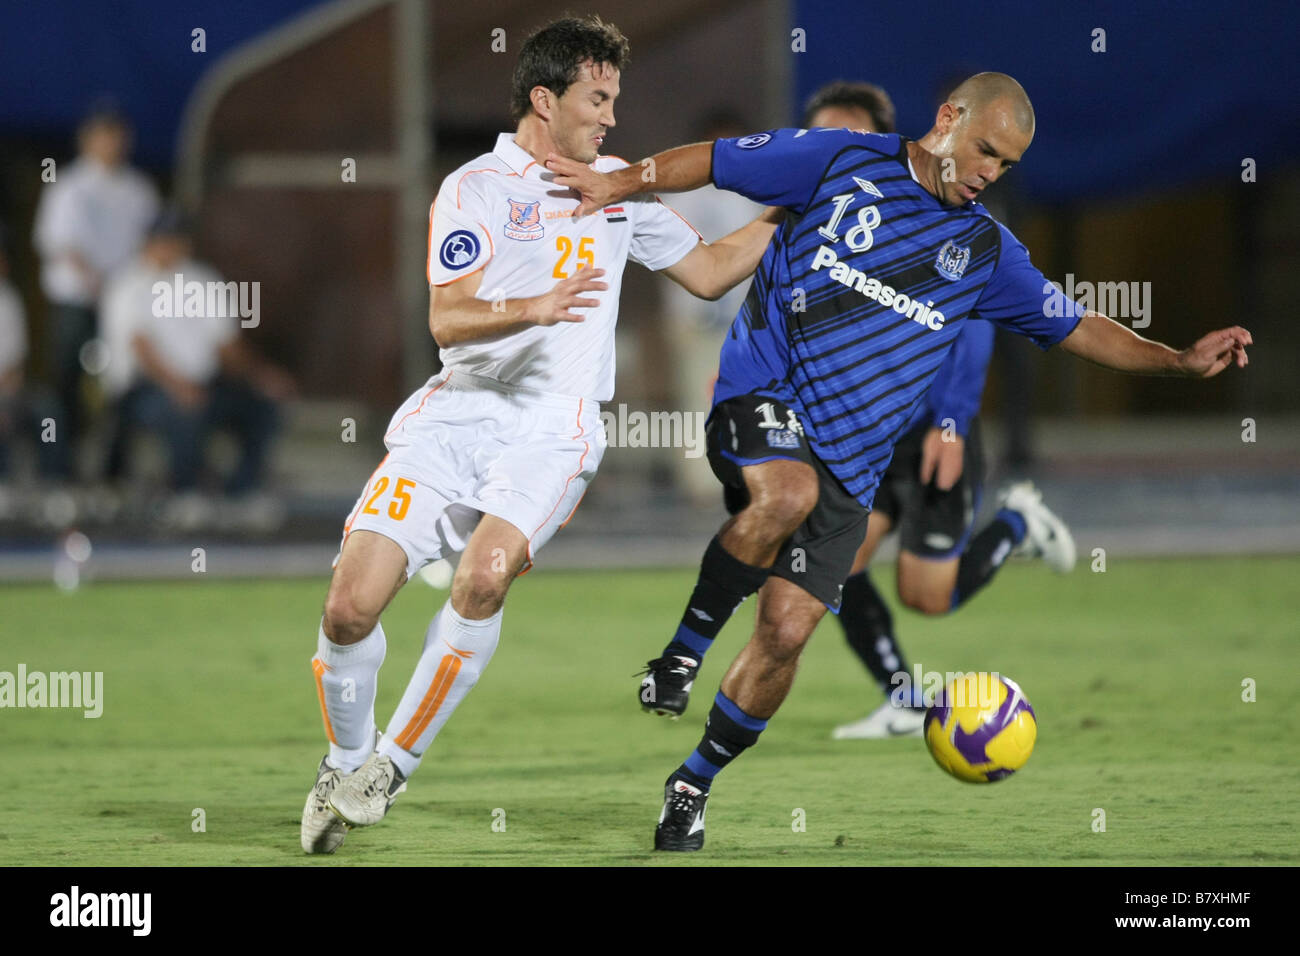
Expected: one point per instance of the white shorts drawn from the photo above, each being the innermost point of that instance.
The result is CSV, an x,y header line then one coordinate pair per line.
x,y
464,446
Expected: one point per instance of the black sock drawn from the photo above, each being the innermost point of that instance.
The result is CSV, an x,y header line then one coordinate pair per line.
x,y
869,628
724,582
728,733
986,553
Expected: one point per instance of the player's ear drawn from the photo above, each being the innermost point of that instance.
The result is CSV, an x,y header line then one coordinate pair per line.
x,y
542,102
947,115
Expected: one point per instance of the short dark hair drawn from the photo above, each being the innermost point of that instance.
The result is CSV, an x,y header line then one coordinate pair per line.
x,y
863,96
553,55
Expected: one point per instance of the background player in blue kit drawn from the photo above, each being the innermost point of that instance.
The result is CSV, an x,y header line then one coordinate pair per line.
x,y
854,306
929,494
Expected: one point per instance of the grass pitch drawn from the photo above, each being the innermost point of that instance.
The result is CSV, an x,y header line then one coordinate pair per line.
x,y
1136,675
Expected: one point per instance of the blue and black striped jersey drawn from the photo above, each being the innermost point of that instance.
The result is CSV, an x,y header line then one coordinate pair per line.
x,y
958,387
863,290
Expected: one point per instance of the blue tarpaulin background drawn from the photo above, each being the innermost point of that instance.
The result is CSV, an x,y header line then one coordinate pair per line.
x,y
1183,92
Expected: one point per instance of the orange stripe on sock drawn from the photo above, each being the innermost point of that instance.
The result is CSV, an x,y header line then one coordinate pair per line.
x,y
318,668
448,668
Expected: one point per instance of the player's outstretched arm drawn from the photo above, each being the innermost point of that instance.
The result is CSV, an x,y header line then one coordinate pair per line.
x,y
711,270
1107,343
673,171
457,315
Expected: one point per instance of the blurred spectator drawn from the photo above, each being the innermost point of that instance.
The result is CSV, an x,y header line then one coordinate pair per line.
x,y
13,354
89,223
184,376
863,106
696,327
18,415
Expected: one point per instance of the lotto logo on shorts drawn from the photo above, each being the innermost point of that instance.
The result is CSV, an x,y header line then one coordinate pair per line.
x,y
782,438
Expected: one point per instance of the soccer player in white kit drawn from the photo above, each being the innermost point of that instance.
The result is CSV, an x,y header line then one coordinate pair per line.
x,y
493,454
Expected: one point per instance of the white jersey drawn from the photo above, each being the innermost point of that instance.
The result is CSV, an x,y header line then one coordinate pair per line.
x,y
502,214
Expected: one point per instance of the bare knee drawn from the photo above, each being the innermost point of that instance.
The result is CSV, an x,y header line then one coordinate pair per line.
x,y
927,600
782,508
479,592
783,640
348,618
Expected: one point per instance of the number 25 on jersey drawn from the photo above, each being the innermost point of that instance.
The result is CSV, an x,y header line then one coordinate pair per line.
x,y
586,257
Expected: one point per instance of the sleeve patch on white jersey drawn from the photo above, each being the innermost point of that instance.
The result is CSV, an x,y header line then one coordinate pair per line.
x,y
458,250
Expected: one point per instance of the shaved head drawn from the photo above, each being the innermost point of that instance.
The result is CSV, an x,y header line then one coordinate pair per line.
x,y
985,89
979,133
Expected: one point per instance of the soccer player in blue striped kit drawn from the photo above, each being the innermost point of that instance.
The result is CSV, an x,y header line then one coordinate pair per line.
x,y
929,494
856,302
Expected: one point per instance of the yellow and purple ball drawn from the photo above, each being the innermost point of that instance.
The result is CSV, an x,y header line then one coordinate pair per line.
x,y
982,729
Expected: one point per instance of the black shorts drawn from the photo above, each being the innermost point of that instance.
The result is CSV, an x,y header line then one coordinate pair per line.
x,y
819,555
931,523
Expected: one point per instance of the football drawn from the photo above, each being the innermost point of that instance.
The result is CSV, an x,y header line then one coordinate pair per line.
x,y
981,729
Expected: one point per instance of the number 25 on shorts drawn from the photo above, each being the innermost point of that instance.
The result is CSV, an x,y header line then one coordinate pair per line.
x,y
401,498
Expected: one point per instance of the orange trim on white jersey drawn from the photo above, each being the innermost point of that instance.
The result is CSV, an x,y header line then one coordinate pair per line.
x,y
680,216
443,285
428,258
471,173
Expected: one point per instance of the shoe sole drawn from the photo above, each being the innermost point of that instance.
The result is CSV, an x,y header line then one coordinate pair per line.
x,y
660,712
318,843
678,849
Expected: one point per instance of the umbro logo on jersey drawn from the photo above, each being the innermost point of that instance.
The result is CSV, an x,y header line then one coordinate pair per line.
x,y
871,287
867,186
702,615
525,221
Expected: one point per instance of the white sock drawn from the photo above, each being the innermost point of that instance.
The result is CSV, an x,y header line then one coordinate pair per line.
x,y
347,676
456,651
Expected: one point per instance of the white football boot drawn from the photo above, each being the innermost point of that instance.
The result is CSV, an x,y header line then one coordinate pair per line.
x,y
1046,535
363,798
322,831
883,722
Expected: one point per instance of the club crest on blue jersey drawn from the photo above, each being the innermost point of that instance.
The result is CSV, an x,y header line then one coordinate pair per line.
x,y
458,250
952,260
525,221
